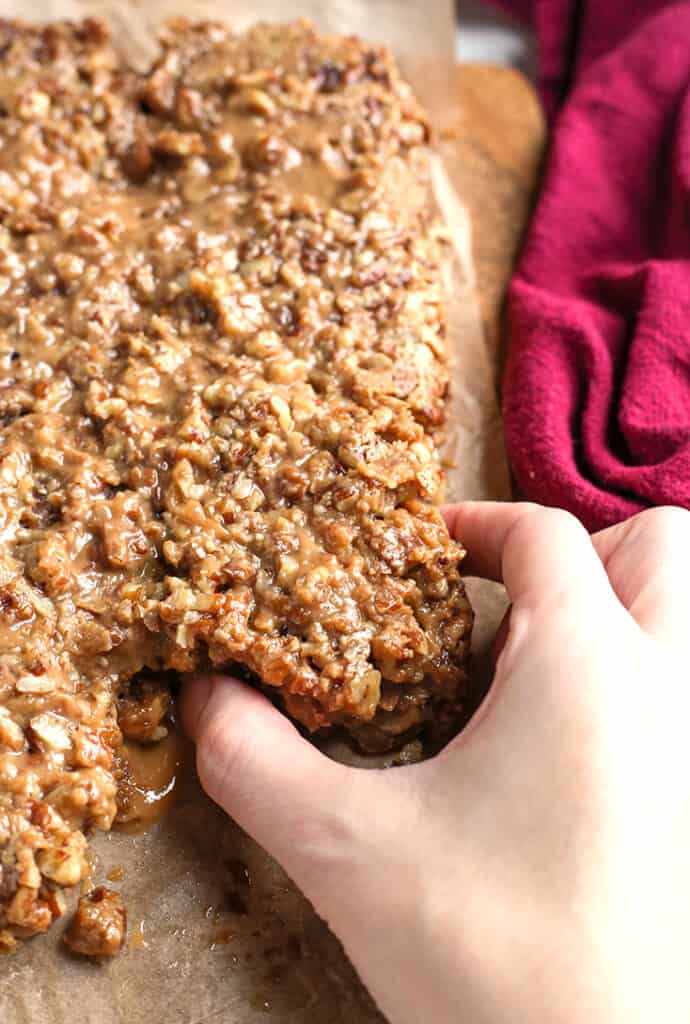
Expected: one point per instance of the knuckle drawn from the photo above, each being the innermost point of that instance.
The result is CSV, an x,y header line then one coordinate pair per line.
x,y
569,521
667,521
548,518
338,824
337,843
529,519
530,508
323,838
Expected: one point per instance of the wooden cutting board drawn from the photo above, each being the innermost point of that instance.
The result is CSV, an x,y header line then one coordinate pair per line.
x,y
499,127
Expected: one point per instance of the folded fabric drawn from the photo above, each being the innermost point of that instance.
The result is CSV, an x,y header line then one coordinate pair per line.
x,y
597,386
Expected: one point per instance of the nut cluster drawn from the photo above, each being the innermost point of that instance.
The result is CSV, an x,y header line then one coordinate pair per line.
x,y
222,386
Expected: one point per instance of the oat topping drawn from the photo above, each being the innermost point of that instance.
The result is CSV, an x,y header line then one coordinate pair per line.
x,y
222,383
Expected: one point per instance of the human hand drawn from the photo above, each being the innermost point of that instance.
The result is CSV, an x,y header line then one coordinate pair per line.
x,y
538,869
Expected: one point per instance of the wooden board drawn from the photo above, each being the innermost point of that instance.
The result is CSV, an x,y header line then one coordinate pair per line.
x,y
497,122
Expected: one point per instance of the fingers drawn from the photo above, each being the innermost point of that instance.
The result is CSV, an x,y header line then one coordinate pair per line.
x,y
252,761
539,553
647,559
500,639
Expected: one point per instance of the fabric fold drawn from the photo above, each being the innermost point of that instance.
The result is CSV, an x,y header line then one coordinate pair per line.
x,y
597,383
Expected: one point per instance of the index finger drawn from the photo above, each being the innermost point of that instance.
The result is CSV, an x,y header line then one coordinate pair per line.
x,y
536,552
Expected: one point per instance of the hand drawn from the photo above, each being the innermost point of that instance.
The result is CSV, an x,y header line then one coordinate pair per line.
x,y
538,869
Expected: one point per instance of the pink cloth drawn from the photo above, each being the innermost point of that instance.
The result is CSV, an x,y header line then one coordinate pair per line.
x,y
597,383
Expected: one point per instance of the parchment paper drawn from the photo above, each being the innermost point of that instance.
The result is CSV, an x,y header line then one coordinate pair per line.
x,y
217,931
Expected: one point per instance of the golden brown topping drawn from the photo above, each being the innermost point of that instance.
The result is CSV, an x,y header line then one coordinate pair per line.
x,y
99,926
140,713
222,381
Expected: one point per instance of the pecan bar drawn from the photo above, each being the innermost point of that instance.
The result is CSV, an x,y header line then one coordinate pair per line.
x,y
222,383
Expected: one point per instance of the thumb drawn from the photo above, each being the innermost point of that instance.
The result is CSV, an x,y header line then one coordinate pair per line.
x,y
350,838
303,808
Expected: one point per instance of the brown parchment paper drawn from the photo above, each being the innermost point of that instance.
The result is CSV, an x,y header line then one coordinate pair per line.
x,y
218,933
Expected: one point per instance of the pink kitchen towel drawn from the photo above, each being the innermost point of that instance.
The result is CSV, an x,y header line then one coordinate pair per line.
x,y
597,385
